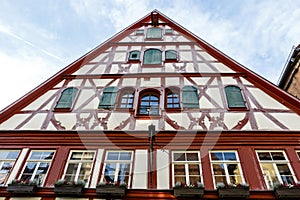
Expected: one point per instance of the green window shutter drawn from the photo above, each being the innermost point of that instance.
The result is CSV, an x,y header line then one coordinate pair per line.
x,y
134,55
190,97
171,55
234,97
154,33
152,56
67,98
109,97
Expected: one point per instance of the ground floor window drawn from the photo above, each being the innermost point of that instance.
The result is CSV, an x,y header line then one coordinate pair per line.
x,y
7,160
226,168
117,167
276,168
186,167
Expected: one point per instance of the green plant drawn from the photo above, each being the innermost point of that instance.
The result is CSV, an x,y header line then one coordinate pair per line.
x,y
192,185
117,184
240,185
22,182
62,182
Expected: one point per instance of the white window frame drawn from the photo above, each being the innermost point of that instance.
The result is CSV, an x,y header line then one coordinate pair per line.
x,y
38,161
227,175
298,154
274,162
7,160
80,162
117,162
186,165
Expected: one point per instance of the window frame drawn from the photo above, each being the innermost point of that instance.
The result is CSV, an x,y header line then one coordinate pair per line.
x,y
118,163
112,95
63,95
173,90
152,62
6,160
80,162
131,53
189,104
171,59
274,164
38,161
241,95
122,92
225,163
149,35
186,166
144,93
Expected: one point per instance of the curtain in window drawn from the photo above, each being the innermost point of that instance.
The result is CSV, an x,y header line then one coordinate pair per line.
x,y
152,56
67,98
234,97
109,97
190,97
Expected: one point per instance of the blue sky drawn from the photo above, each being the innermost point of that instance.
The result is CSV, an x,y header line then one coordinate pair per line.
x,y
39,38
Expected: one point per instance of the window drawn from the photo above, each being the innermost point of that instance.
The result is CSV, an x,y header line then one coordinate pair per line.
x,y
154,33
190,97
127,97
186,167
139,32
168,31
67,98
7,161
234,97
134,56
152,56
79,166
276,168
117,167
109,97
171,55
298,153
226,167
149,103
172,97
37,166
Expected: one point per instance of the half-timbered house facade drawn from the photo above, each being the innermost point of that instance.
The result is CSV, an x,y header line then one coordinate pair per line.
x,y
152,108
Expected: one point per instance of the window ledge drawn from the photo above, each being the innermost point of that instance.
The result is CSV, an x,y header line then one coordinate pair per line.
x,y
138,116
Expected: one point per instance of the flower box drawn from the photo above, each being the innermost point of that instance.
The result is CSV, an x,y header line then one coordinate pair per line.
x,y
233,192
68,190
21,189
188,192
111,190
287,193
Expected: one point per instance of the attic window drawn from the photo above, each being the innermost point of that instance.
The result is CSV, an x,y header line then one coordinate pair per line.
x,y
139,32
134,56
154,33
67,98
169,31
152,56
171,55
234,97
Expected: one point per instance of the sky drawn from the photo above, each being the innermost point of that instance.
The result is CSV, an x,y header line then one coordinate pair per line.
x,y
38,38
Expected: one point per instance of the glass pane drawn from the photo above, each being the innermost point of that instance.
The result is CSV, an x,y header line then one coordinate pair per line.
x,y
220,179
125,156
43,168
30,167
171,55
285,173
154,33
194,179
88,155
277,156
233,172
36,155
194,169
179,157
76,155
180,179
234,97
179,169
229,156
113,156
9,154
192,156
85,171
72,168
264,156
218,169
152,56
269,174
109,173
216,156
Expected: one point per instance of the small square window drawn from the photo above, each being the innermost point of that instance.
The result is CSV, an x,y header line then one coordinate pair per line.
x,y
169,31
139,32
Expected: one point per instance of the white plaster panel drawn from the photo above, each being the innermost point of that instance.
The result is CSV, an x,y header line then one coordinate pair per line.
x,y
114,69
222,68
265,100
153,82
184,47
140,173
291,120
232,119
18,165
67,120
180,118
84,95
182,39
172,81
116,119
99,69
206,56
121,48
228,81
96,170
75,83
204,68
84,69
185,56
126,39
265,123
149,69
163,172
143,124
13,122
35,122
129,82
100,57
245,82
41,100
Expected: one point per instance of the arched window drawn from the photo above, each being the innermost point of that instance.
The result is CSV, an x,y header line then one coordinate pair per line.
x,y
152,56
149,103
154,33
126,98
172,98
234,97
67,98
134,56
171,55
109,97
190,97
